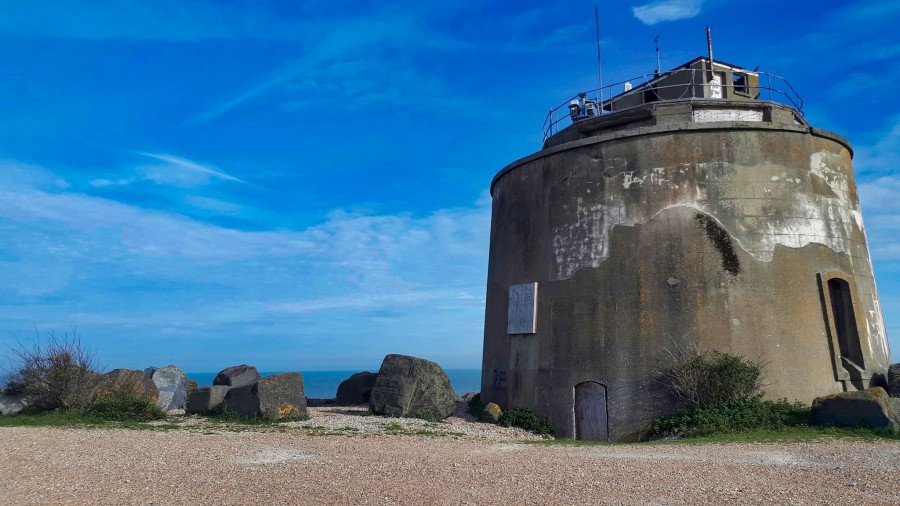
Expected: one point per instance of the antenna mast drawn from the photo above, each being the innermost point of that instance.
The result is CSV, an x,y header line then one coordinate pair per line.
x,y
709,48
599,66
658,69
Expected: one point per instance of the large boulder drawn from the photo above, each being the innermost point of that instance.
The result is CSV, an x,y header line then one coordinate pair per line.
x,y
273,397
12,404
237,376
207,400
357,389
410,386
125,382
172,384
893,379
868,408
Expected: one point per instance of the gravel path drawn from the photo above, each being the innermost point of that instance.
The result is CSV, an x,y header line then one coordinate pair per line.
x,y
341,457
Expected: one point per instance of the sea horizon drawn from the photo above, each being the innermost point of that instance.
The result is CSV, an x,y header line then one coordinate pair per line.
x,y
324,384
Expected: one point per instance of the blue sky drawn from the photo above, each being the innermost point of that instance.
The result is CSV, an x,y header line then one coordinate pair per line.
x,y
303,185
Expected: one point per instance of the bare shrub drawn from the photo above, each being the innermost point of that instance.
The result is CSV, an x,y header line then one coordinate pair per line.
x,y
703,377
53,372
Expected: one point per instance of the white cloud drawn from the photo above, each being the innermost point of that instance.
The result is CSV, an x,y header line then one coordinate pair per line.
x,y
116,269
882,155
156,20
667,10
173,171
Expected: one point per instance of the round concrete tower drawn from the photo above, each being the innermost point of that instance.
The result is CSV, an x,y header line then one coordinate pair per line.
x,y
718,223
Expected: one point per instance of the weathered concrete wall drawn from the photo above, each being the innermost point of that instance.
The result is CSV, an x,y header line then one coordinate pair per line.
x,y
643,239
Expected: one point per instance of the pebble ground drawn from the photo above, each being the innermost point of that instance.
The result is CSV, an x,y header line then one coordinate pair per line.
x,y
342,457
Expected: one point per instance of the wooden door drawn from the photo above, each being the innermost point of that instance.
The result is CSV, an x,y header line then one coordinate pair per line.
x,y
591,419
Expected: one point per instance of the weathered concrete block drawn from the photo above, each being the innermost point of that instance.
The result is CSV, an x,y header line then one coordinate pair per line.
x,y
207,400
410,386
357,389
868,408
125,382
237,376
893,380
12,404
491,413
273,397
172,384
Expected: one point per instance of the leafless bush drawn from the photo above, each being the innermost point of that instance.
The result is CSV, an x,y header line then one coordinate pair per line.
x,y
703,377
53,372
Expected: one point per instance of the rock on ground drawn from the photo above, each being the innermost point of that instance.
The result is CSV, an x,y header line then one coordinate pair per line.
x,y
273,397
411,386
491,413
126,382
172,384
357,389
870,408
12,404
207,400
893,379
237,376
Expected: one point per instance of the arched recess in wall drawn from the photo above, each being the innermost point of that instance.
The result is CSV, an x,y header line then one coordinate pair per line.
x,y
845,337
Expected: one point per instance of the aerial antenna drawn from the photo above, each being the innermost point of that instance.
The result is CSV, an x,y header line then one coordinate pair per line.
x,y
599,66
709,48
656,41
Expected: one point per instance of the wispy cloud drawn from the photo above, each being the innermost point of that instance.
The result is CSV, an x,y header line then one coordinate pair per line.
x,y
667,10
188,165
883,154
345,41
145,20
878,166
174,171
125,269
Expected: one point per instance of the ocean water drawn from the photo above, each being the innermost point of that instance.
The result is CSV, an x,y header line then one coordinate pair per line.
x,y
324,384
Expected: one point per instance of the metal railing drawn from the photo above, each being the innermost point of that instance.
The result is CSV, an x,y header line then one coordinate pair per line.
x,y
559,117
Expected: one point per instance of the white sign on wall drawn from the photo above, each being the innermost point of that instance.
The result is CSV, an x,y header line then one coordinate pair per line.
x,y
522,317
713,115
715,87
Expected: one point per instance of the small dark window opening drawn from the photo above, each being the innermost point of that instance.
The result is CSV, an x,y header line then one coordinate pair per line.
x,y
845,322
740,83
650,95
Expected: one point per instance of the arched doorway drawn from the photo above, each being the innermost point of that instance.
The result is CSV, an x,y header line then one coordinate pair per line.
x,y
591,417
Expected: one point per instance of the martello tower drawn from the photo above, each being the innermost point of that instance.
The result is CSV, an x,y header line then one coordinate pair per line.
x,y
697,209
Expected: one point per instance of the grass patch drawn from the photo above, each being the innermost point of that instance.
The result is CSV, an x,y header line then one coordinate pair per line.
x,y
124,409
230,417
49,419
396,429
77,419
528,420
804,434
733,416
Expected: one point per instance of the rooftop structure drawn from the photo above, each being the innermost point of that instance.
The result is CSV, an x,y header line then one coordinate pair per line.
x,y
694,80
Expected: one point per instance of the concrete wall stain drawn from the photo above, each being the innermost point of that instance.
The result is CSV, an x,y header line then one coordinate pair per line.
x,y
722,241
